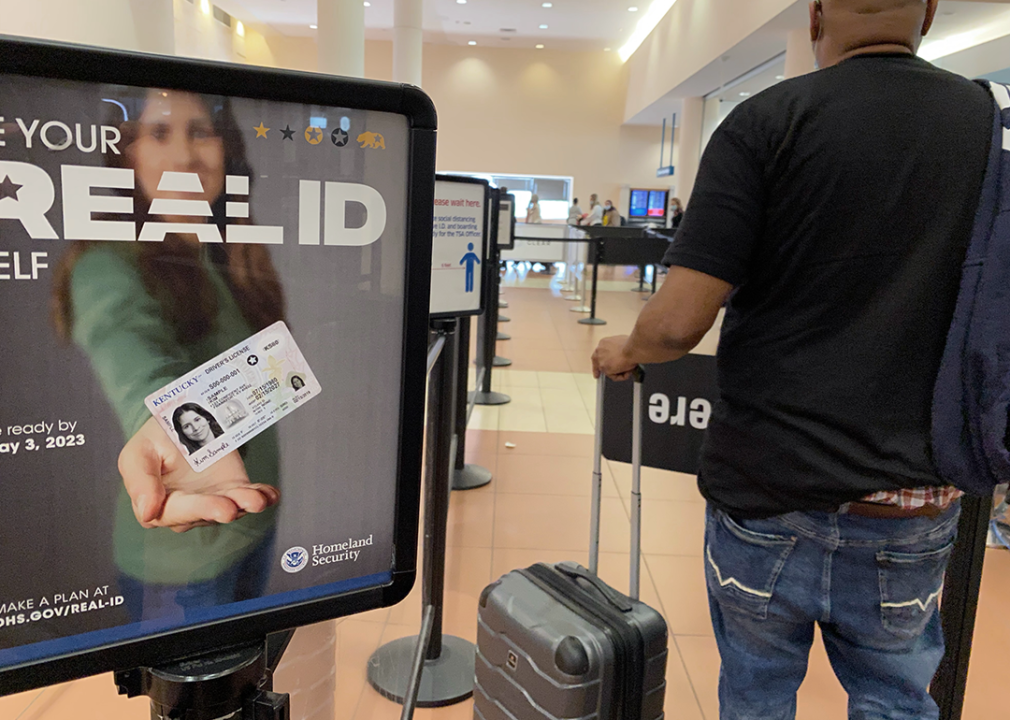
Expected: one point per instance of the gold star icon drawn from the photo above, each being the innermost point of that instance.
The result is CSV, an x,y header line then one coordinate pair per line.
x,y
261,131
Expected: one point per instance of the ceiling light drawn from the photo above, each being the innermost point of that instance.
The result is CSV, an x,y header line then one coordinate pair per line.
x,y
656,12
547,5
461,2
240,29
780,77
314,27
632,9
543,27
472,42
368,4
205,6
606,49
540,47
745,94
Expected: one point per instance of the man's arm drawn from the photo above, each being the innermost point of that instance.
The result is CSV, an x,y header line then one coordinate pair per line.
x,y
671,325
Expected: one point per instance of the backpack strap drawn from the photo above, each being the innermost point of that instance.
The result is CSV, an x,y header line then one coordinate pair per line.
x,y
961,400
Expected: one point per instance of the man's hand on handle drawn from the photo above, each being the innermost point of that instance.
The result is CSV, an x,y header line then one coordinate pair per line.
x,y
167,492
611,359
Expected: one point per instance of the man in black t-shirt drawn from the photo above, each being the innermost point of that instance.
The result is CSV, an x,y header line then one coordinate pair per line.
x,y
832,212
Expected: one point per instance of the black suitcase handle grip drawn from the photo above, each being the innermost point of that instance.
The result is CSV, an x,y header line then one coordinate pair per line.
x,y
577,572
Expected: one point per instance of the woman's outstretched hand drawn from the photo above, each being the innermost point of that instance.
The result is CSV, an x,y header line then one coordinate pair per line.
x,y
167,492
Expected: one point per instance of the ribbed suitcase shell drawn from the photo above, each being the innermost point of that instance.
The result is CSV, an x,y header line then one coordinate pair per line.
x,y
528,667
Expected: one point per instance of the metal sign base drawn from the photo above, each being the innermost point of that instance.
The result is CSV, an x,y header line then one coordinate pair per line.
x,y
470,477
502,318
445,681
503,336
491,398
580,309
502,305
592,321
501,362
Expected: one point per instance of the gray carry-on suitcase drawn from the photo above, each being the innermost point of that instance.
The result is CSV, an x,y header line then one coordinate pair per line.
x,y
558,642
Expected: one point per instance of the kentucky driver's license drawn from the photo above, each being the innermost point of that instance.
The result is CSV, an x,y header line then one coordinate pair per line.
x,y
223,404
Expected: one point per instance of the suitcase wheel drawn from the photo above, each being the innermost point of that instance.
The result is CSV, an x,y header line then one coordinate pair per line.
x,y
571,657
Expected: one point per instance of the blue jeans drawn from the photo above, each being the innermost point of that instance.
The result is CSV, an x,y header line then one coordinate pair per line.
x,y
871,584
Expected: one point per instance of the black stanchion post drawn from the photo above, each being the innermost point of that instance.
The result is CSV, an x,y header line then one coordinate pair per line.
x,y
487,326
592,319
655,278
960,605
493,310
464,477
447,676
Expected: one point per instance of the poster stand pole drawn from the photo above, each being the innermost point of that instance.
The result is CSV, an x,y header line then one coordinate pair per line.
x,y
486,330
592,319
233,682
441,667
464,477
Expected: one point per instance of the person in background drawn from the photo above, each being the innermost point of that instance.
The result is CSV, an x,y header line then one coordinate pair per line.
x,y
575,213
676,213
533,211
611,216
595,216
824,504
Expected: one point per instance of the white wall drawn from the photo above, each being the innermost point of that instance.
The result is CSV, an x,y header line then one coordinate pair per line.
x,y
120,24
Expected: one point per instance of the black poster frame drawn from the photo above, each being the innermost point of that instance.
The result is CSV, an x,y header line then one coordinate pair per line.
x,y
485,248
511,244
96,65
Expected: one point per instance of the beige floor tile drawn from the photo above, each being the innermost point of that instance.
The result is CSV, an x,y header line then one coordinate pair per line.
x,y
471,519
485,418
510,378
519,419
532,443
558,381
680,581
681,700
701,658
557,523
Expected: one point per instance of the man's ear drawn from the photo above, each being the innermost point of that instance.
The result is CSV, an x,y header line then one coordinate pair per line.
x,y
815,21
931,7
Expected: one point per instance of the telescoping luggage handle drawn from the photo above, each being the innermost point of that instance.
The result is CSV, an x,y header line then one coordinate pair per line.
x,y
636,483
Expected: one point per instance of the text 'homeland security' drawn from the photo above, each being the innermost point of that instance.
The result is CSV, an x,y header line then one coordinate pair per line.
x,y
339,552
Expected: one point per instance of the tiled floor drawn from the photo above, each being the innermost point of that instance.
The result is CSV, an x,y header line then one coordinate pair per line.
x,y
539,448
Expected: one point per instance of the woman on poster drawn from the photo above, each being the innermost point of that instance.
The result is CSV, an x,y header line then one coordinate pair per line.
x,y
147,313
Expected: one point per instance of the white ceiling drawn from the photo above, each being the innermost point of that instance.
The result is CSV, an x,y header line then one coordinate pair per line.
x,y
572,24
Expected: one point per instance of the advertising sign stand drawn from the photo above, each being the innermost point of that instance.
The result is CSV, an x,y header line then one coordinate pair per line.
x,y
487,329
464,476
592,319
235,682
431,670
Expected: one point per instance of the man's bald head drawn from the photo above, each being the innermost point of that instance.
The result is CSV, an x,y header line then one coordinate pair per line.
x,y
842,28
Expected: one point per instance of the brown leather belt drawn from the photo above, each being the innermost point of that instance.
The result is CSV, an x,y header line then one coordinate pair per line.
x,y
890,512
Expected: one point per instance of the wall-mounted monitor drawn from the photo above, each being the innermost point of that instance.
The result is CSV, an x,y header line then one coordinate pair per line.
x,y
648,205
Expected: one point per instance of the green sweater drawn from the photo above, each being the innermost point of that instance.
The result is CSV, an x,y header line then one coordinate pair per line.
x,y
133,352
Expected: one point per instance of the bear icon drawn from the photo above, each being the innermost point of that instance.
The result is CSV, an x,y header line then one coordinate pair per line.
x,y
372,140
